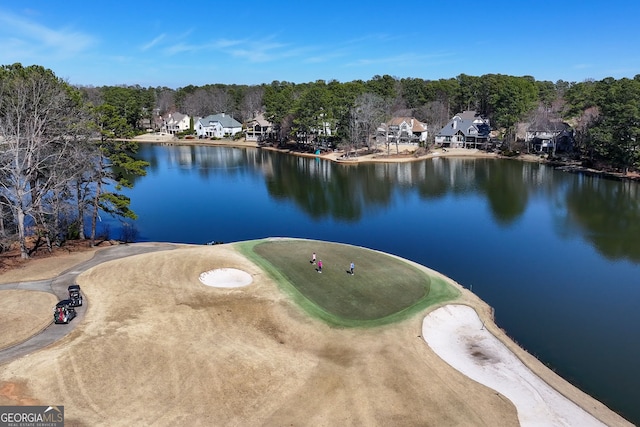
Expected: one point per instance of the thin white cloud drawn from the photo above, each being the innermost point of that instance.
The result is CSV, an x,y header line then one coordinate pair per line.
x,y
270,49
35,39
153,42
261,51
181,48
253,51
184,47
225,43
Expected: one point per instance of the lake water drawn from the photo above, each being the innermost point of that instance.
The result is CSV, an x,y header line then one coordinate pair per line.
x,y
556,254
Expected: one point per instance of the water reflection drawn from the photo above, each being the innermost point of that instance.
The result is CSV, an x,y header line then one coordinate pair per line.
x,y
606,214
322,189
346,192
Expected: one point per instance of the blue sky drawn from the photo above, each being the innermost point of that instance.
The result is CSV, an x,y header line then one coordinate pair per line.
x,y
175,44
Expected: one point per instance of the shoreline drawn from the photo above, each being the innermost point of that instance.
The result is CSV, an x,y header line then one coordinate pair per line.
x,y
407,153
476,363
404,152
461,338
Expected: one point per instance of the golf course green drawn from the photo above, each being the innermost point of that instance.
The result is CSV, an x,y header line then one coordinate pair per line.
x,y
382,290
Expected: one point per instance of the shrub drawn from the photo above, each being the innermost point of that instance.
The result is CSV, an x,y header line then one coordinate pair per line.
x,y
185,133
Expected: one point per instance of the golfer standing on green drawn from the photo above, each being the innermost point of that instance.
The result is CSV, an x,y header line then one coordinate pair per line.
x,y
353,266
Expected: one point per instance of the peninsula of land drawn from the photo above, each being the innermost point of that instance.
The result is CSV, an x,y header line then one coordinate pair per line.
x,y
170,336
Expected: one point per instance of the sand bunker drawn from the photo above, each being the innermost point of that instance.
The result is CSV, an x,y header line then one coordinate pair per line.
x,y
457,335
226,278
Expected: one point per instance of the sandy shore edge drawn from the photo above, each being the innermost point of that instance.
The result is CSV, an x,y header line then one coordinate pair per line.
x,y
400,154
458,336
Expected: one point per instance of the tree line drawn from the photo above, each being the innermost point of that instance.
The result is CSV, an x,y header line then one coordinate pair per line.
x,y
65,151
63,159
602,114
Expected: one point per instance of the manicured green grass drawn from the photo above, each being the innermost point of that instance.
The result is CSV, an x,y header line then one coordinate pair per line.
x,y
384,289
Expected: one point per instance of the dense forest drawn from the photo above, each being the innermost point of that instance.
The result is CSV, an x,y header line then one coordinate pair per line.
x,y
66,151
603,115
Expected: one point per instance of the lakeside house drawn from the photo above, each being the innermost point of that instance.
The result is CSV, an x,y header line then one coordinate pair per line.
x,y
549,135
404,130
258,129
465,130
217,126
176,123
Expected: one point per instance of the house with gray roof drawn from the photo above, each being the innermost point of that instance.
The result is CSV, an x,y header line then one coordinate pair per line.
x,y
217,126
465,130
546,134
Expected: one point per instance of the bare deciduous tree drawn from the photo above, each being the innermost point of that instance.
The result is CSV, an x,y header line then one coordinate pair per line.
x,y
251,103
165,101
583,123
205,101
37,120
435,114
91,94
368,113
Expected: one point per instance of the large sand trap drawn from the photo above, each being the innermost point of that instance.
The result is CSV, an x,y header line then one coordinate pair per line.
x,y
457,335
226,278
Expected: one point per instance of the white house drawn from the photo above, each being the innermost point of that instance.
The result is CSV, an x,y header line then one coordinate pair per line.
x,y
176,122
217,126
464,130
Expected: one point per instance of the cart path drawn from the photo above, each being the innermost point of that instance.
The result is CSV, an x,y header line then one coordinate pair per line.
x,y
58,286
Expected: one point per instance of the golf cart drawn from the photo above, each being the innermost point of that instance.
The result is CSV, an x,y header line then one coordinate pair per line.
x,y
75,296
64,312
